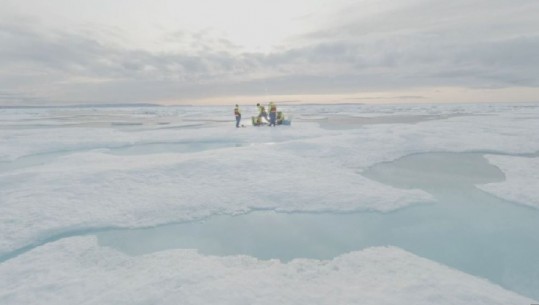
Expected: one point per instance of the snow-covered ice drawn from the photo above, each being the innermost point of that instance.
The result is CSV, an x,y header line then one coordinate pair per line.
x,y
68,171
522,179
95,189
78,271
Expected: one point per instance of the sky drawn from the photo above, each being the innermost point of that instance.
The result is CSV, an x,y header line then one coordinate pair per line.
x,y
169,52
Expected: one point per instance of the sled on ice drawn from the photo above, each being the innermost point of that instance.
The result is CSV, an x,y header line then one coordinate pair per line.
x,y
280,120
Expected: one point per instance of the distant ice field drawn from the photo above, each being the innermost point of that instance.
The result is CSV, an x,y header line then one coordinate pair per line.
x,y
66,172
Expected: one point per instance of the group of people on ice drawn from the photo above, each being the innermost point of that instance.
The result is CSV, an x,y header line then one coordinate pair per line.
x,y
275,117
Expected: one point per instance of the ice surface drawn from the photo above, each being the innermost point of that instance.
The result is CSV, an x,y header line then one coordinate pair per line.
x,y
63,171
466,229
77,271
522,179
96,189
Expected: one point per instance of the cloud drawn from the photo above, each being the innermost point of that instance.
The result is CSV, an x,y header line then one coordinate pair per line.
x,y
489,40
16,98
371,45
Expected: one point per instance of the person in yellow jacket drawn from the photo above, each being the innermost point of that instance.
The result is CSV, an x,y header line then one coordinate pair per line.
x,y
262,112
237,113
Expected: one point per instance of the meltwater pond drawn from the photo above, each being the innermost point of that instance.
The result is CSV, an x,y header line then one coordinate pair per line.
x,y
466,228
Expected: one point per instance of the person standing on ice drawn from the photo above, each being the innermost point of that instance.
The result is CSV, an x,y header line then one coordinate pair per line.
x,y
237,113
272,113
262,112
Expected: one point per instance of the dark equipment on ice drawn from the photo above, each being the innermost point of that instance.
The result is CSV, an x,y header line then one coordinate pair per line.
x,y
281,120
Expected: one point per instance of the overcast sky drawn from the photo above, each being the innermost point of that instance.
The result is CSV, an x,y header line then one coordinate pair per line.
x,y
210,51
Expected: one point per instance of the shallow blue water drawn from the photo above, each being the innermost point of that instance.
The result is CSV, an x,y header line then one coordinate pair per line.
x,y
466,229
